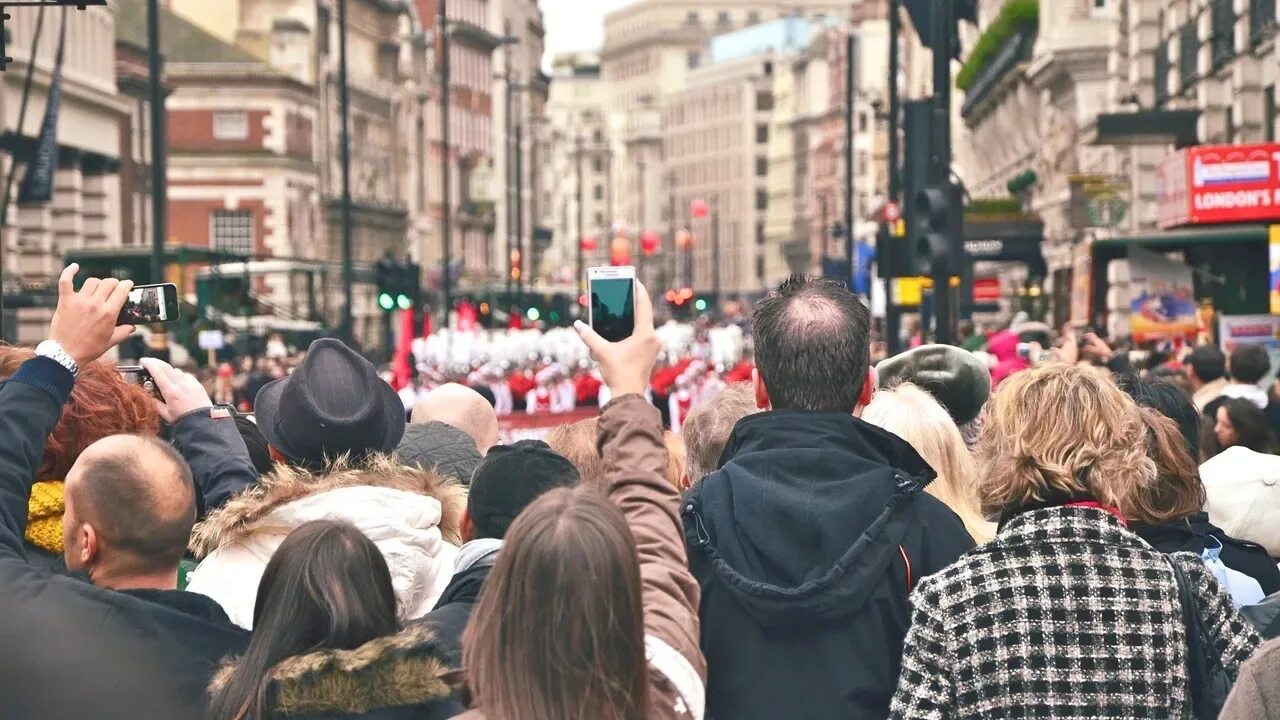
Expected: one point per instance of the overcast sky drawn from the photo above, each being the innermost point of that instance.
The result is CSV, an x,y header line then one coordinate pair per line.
x,y
575,24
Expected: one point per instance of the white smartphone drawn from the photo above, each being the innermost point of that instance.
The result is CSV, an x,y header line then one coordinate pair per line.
x,y
612,310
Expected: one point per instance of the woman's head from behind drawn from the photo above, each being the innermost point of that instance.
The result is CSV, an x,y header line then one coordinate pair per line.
x,y
913,415
326,587
1240,422
558,631
1061,432
102,404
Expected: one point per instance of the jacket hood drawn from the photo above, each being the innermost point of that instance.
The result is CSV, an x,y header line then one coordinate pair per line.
x,y
805,514
395,671
410,514
286,485
472,567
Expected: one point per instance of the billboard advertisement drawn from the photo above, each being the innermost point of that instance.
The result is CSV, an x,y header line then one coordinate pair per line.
x,y
1163,304
1212,184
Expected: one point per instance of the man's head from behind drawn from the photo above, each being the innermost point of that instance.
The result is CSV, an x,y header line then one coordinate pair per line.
x,y
709,425
1206,364
812,346
130,506
1249,364
507,481
462,408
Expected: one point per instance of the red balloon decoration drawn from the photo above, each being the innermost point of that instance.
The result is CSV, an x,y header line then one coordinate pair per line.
x,y
699,208
620,252
684,239
650,242
588,244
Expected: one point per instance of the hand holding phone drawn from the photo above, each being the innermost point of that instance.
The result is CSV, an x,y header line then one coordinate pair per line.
x,y
83,323
138,375
148,304
612,307
627,365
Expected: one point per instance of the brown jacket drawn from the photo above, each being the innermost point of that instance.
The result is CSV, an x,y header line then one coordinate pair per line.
x,y
635,461
1256,695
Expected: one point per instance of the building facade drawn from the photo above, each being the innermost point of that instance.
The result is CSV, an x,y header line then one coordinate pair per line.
x,y
85,210
716,134
577,168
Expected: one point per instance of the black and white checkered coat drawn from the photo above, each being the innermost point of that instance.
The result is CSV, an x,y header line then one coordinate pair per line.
x,y
1066,615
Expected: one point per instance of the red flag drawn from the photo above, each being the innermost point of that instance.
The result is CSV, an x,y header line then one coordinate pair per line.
x,y
402,366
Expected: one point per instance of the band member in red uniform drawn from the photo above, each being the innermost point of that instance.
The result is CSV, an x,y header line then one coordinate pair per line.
x,y
681,403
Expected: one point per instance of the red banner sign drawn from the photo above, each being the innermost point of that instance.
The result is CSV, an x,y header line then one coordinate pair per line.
x,y
986,290
1212,184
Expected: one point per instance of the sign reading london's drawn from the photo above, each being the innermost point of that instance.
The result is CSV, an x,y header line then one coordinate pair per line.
x,y
1211,184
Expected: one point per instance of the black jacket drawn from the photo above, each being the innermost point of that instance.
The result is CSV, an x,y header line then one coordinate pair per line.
x,y
1189,536
805,544
73,649
453,609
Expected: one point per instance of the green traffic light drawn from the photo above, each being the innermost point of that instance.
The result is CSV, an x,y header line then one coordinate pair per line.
x,y
404,302
385,301
700,304
533,314
554,316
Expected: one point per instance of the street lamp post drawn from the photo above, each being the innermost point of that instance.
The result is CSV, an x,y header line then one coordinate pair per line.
x,y
159,147
446,210
581,270
344,104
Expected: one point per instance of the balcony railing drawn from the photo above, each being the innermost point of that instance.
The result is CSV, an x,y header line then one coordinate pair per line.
x,y
1015,51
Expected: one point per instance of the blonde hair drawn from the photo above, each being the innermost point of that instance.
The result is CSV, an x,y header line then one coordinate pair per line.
x,y
1060,430
577,442
915,416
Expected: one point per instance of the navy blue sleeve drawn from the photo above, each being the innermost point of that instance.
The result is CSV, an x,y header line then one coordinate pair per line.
x,y
211,444
30,403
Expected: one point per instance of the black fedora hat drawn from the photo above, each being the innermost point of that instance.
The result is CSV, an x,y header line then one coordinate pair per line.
x,y
332,404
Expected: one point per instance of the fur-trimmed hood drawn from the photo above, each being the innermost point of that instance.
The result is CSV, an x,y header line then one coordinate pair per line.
x,y
413,516
404,670
287,484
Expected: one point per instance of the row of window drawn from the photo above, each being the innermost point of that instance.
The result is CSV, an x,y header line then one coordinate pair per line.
x,y
470,68
1221,41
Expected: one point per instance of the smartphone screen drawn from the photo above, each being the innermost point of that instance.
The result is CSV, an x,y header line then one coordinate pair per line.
x,y
613,307
150,304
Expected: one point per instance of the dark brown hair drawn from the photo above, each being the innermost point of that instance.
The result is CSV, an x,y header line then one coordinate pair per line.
x,y
558,631
1177,492
813,345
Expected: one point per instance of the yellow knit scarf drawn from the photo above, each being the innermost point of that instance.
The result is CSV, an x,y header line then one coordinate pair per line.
x,y
44,516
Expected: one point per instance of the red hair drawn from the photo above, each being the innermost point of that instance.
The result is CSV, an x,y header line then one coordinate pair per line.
x,y
101,405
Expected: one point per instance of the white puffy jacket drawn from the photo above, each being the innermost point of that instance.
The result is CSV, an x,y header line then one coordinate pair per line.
x,y
404,524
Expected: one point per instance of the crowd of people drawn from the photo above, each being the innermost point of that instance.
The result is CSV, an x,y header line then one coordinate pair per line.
x,y
1068,536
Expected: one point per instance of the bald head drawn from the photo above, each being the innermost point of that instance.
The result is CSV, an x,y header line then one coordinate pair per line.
x,y
137,496
463,408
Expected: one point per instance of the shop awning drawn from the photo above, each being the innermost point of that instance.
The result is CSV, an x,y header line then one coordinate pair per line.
x,y
1189,236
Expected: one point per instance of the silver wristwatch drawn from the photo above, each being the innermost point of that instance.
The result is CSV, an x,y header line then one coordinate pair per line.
x,y
54,352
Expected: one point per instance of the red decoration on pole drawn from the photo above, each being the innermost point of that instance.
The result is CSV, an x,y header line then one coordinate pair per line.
x,y
589,243
650,242
699,208
620,252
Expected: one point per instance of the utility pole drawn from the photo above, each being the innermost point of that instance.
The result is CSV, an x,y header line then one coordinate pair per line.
x,y
344,104
672,250
944,29
510,186
715,255
581,270
159,146
892,313
850,88
641,190
446,211
519,207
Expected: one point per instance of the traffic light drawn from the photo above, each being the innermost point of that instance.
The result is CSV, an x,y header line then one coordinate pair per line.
x,y
898,256
387,277
409,285
937,237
